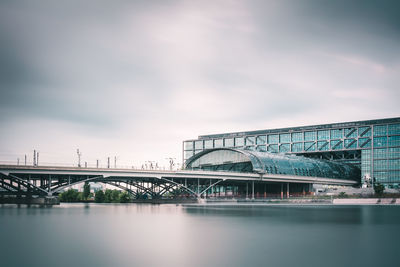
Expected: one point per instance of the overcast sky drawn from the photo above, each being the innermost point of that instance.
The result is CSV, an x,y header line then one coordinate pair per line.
x,y
136,78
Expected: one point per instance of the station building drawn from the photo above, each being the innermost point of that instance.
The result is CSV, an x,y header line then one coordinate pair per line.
x,y
365,151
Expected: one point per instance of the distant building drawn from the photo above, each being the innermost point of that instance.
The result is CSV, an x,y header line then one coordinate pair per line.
x,y
373,146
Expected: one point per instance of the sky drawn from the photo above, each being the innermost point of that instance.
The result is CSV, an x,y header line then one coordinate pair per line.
x,y
133,79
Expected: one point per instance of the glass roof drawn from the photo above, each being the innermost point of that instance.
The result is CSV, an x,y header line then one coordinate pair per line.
x,y
228,159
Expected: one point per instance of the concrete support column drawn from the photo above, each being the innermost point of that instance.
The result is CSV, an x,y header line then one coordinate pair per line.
x,y
281,190
252,189
265,190
287,190
247,190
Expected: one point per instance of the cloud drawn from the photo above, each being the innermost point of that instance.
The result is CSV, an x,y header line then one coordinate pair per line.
x,y
137,78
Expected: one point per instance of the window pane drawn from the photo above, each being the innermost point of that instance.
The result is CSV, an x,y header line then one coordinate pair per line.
x,y
380,130
309,146
323,145
188,145
218,143
297,137
350,132
364,131
310,136
380,141
249,140
260,140
228,142
188,154
336,144
337,134
198,144
323,135
208,144
284,138
380,153
394,129
284,148
273,148
297,147
239,141
364,142
350,143
394,140
273,139
394,152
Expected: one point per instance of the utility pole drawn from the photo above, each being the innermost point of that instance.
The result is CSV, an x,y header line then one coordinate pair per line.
x,y
108,162
25,159
79,157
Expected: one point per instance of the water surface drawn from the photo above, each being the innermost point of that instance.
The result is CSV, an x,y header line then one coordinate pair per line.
x,y
196,235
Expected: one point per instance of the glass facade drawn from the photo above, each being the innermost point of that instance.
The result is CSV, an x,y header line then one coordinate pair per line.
x,y
262,162
376,142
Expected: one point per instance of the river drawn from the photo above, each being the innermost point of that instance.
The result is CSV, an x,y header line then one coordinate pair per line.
x,y
199,235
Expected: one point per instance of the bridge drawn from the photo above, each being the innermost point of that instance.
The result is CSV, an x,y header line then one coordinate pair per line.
x,y
28,181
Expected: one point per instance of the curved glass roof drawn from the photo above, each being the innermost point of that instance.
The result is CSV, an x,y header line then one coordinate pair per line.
x,y
229,159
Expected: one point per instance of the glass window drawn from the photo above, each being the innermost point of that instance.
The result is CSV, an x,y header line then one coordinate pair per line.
x,y
380,165
364,142
394,140
260,140
336,144
187,154
380,130
350,143
273,139
208,144
336,133
249,148
228,142
297,147
350,132
394,129
309,146
310,136
284,148
239,141
380,141
284,138
323,135
249,140
198,144
380,153
218,143
394,152
188,145
364,131
261,148
273,148
297,137
323,145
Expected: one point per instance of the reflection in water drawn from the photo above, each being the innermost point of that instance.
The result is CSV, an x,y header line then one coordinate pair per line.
x,y
199,235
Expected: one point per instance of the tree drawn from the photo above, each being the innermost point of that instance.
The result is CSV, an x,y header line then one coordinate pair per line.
x,y
124,197
71,195
379,189
86,191
107,196
99,197
115,196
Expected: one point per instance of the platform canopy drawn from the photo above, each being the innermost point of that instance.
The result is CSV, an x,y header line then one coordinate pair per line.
x,y
239,160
